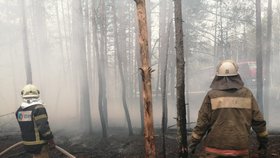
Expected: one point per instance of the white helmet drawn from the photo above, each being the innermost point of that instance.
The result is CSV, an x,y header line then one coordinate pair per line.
x,y
227,68
30,91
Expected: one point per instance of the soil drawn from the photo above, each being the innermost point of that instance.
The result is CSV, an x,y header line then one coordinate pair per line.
x,y
119,145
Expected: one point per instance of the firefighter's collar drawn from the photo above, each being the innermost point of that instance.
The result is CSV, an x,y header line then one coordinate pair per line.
x,y
29,102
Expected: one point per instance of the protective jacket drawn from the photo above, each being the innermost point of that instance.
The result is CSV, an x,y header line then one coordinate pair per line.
x,y
34,126
226,116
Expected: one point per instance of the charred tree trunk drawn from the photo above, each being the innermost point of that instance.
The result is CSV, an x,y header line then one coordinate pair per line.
x,y
120,65
146,71
259,55
28,70
180,85
79,52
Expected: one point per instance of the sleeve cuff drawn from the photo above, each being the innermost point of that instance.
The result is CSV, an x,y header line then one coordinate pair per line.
x,y
263,134
196,136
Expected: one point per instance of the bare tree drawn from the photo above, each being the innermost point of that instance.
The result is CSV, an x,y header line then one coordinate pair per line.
x,y
180,84
28,70
79,52
103,56
146,71
140,85
267,60
259,54
164,94
120,65
101,77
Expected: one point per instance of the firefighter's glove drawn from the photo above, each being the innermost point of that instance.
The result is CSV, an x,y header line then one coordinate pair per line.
x,y
263,143
192,147
51,144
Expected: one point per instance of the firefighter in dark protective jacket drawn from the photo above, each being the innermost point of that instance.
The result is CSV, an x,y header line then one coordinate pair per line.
x,y
226,116
33,121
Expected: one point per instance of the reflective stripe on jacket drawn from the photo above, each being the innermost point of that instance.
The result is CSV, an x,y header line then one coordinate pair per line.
x,y
227,117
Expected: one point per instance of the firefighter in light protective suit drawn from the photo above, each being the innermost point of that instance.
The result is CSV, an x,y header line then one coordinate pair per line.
x,y
33,121
226,116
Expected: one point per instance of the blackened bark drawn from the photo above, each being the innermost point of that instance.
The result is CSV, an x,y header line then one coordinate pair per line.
x,y
180,85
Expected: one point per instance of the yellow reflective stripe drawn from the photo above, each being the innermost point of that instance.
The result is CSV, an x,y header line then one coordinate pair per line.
x,y
40,117
47,133
34,142
263,134
231,102
196,136
39,106
37,134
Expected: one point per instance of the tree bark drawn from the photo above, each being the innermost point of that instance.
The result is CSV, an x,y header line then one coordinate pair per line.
x,y
140,84
180,84
27,62
259,55
146,71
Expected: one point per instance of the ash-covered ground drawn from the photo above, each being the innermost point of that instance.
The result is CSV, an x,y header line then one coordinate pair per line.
x,y
119,145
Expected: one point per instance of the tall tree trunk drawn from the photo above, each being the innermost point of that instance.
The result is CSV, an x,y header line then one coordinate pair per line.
x,y
215,60
164,95
100,77
103,58
60,35
146,71
162,43
140,84
87,25
79,52
28,70
120,65
267,60
180,65
259,55
41,40
67,35
222,42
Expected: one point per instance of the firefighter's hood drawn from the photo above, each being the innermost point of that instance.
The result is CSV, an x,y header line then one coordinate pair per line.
x,y
227,82
29,102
